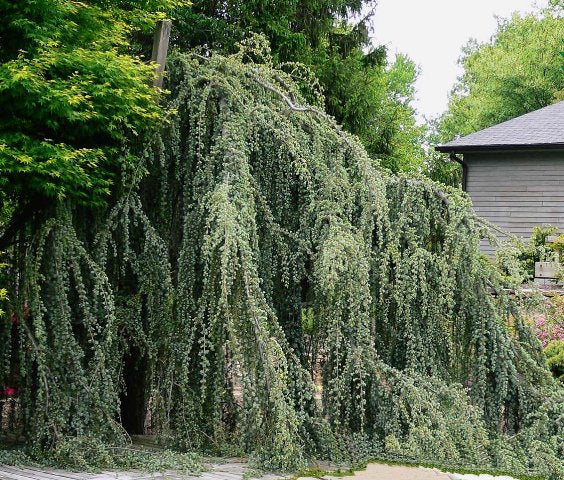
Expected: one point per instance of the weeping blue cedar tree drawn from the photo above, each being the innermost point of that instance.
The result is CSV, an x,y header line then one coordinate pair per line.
x,y
256,208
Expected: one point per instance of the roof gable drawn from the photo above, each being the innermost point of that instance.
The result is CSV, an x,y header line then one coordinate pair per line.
x,y
543,128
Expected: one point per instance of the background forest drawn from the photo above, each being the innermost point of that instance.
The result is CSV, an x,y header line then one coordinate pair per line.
x,y
266,257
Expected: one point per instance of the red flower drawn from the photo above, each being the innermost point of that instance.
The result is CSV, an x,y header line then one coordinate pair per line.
x,y
9,391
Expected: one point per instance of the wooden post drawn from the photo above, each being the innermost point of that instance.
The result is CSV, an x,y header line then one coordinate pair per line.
x,y
160,48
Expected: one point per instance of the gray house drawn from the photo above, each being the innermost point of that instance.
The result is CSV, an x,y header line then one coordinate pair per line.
x,y
514,171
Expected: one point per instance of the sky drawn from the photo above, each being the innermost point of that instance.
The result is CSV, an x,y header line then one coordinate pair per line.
x,y
433,32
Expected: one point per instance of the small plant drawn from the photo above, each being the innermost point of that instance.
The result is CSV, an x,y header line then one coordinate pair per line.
x,y
516,260
558,245
555,358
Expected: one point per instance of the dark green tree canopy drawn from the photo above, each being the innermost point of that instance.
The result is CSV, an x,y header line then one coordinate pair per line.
x,y
296,29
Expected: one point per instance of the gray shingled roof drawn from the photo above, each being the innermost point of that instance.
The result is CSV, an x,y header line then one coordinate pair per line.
x,y
541,128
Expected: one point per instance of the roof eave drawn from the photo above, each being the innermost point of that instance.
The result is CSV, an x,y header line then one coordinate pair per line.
x,y
497,147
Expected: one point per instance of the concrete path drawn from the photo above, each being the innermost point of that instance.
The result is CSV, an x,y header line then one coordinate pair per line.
x,y
380,471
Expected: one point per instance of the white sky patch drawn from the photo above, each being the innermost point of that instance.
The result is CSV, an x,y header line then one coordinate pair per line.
x,y
433,32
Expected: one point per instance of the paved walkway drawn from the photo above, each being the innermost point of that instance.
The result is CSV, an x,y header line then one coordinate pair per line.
x,y
231,470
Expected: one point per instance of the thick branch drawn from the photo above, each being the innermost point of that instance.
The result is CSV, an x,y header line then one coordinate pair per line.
x,y
291,105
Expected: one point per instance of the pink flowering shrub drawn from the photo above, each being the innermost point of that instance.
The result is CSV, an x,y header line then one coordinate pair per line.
x,y
548,325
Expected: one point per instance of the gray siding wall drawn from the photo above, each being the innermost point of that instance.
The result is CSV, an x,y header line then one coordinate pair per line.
x,y
517,190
